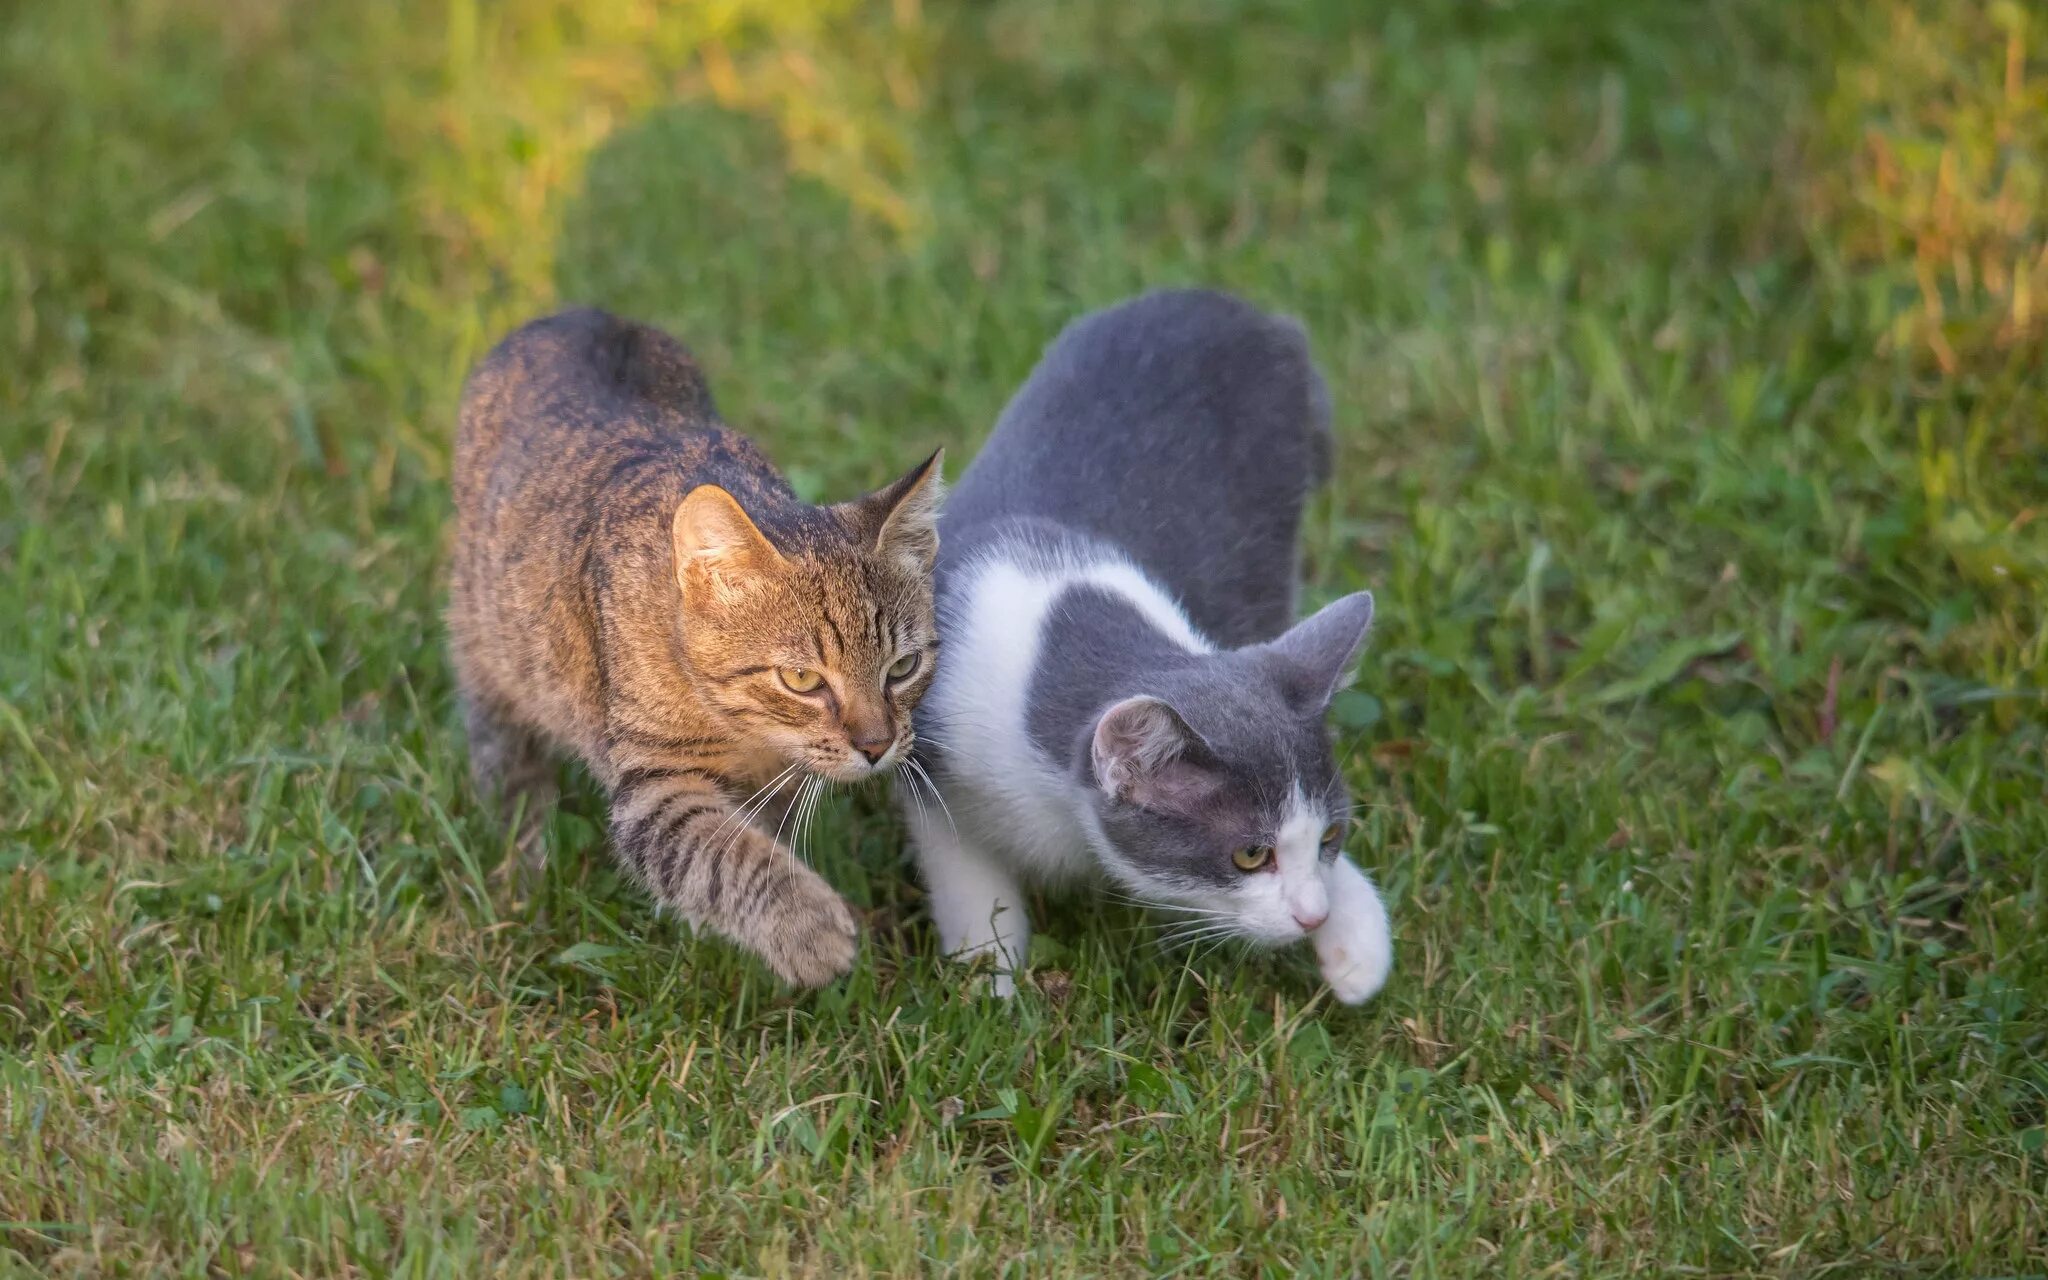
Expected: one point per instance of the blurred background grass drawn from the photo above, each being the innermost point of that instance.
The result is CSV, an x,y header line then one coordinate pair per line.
x,y
1690,382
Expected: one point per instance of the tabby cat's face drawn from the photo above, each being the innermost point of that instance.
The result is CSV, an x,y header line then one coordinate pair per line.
x,y
823,662
817,652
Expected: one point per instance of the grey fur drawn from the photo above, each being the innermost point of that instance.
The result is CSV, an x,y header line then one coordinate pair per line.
x,y
1181,433
1186,428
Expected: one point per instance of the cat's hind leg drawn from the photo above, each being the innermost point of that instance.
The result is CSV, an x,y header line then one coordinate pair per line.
x,y
1354,947
975,900
511,768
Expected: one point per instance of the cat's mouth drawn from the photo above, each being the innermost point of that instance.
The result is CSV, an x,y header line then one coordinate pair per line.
x,y
846,771
854,767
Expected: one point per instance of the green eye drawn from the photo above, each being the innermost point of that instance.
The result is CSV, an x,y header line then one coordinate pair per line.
x,y
800,679
1252,857
903,667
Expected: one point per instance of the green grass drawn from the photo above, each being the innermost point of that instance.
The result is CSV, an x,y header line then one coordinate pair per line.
x,y
1694,433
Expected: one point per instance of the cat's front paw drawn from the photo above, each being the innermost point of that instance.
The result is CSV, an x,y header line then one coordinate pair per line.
x,y
1354,969
1354,948
808,937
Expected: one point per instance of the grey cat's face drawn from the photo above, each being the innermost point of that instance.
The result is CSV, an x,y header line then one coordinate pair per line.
x,y
1217,792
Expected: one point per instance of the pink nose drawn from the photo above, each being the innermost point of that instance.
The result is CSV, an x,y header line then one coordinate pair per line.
x,y
874,748
1311,920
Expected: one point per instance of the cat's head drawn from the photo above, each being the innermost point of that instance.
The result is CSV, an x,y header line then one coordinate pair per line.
x,y
1216,791
819,641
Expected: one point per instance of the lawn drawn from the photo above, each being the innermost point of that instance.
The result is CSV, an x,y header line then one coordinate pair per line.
x,y
1691,371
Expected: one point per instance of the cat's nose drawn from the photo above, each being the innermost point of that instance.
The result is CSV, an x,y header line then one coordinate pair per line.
x,y
874,748
1311,919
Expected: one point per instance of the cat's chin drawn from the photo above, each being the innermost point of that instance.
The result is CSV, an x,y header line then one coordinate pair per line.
x,y
848,771
1274,939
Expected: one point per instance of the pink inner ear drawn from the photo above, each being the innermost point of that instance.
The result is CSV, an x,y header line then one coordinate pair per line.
x,y
1141,747
1174,787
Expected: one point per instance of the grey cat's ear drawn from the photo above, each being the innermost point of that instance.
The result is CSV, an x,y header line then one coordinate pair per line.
x,y
715,536
1316,654
906,514
1146,755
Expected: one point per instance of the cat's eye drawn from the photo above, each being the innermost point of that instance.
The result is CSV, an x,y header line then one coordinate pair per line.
x,y
1252,857
904,667
800,679
1333,836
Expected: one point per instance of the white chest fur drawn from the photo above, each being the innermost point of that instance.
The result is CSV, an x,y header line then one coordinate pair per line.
x,y
1017,802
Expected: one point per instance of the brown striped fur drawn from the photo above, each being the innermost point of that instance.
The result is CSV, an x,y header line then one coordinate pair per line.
x,y
630,575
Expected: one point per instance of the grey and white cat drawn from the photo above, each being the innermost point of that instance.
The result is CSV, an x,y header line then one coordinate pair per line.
x,y
1122,693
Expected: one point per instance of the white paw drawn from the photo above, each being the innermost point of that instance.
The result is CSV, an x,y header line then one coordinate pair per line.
x,y
1353,947
1356,969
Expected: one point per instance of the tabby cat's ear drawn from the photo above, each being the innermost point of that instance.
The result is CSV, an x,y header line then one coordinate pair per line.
x,y
905,516
715,537
1316,654
1146,754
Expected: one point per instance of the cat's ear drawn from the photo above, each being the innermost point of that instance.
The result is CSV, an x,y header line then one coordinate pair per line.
x,y
905,516
1146,754
1316,655
715,538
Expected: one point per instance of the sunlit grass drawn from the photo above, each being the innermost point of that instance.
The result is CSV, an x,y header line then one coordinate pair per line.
x,y
1941,114
525,91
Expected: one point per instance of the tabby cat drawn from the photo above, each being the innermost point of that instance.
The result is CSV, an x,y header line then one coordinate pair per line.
x,y
636,584
1126,694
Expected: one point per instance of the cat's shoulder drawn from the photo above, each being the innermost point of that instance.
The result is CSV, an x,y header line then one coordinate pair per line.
x,y
1008,575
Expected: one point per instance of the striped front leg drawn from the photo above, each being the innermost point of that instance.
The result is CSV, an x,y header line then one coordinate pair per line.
x,y
675,829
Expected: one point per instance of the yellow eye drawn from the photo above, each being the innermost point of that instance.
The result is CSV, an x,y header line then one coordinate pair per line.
x,y
801,679
903,667
1252,857
1333,836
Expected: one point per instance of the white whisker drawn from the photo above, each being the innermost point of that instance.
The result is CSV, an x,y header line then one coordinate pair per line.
x,y
743,815
1213,948
1197,934
759,800
907,784
803,789
1181,908
801,837
933,787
